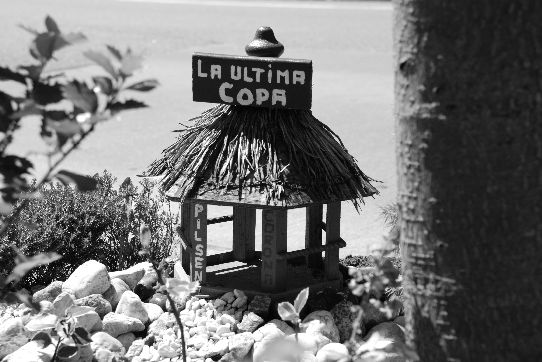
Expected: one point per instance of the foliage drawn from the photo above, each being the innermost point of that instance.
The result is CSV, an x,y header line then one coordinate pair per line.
x,y
92,225
68,111
289,312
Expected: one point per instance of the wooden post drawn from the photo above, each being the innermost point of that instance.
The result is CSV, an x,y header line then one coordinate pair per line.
x,y
313,234
186,226
333,233
198,261
244,230
274,232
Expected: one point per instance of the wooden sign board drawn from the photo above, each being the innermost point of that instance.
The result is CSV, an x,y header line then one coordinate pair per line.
x,y
252,81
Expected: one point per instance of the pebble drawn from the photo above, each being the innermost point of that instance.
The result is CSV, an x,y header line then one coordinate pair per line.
x,y
91,277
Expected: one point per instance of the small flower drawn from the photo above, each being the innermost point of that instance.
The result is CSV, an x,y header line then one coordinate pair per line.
x,y
181,288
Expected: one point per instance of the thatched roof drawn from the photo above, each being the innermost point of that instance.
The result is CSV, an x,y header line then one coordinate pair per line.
x,y
264,157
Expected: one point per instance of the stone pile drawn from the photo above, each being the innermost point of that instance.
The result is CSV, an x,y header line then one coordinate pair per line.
x,y
131,320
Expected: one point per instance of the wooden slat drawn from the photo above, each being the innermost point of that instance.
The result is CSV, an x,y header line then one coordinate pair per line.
x,y
333,231
221,258
244,231
313,234
198,260
219,219
274,242
340,243
185,236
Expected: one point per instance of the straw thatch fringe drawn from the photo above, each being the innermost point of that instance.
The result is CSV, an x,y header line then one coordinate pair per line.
x,y
263,150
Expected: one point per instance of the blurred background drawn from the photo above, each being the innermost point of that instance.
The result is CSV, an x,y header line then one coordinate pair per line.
x,y
349,42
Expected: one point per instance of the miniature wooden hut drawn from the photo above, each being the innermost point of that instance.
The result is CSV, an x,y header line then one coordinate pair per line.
x,y
269,157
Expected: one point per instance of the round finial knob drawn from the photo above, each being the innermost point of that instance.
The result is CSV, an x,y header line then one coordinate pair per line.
x,y
265,44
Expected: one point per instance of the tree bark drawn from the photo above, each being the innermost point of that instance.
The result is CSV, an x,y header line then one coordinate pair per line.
x,y
469,153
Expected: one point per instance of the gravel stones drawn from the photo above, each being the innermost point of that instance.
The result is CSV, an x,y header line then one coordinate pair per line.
x,y
131,306
108,342
49,293
153,311
89,278
251,322
116,324
260,305
96,301
343,317
321,322
115,292
132,275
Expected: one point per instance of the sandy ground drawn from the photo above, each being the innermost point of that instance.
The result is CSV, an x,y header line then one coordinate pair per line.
x,y
349,43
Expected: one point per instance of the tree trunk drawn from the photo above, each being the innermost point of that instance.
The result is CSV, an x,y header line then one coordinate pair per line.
x,y
469,149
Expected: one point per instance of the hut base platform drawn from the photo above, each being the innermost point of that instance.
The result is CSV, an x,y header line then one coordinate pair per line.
x,y
247,277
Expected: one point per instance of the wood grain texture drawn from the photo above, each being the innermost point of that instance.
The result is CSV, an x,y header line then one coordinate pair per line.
x,y
313,234
469,153
333,234
274,241
244,231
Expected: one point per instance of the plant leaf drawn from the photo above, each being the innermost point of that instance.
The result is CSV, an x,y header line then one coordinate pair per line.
x,y
43,46
51,25
42,322
287,312
8,74
144,86
128,104
34,71
65,127
67,352
81,336
29,29
104,83
79,310
82,183
102,61
81,96
130,63
45,94
301,300
113,50
22,268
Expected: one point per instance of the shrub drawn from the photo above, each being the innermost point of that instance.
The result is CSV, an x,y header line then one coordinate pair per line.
x,y
101,225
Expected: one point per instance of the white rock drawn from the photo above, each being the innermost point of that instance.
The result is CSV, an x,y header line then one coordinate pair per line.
x,y
320,321
89,278
12,336
89,320
240,345
224,328
167,351
227,319
110,343
267,331
332,352
132,275
126,339
131,306
116,324
33,351
115,291
309,342
154,312
220,347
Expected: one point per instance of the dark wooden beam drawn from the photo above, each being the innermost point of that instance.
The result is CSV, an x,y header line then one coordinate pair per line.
x,y
185,234
313,234
274,242
244,231
333,234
